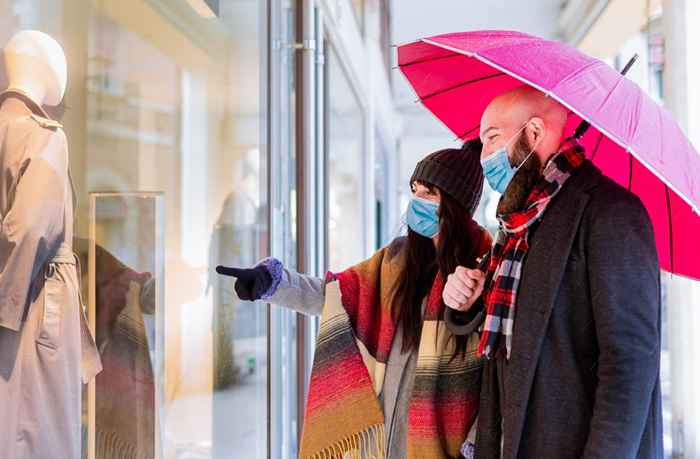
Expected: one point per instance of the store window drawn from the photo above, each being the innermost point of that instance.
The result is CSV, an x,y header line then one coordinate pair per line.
x,y
174,107
164,119
345,162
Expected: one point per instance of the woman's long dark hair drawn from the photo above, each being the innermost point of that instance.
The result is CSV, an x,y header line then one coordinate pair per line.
x,y
458,244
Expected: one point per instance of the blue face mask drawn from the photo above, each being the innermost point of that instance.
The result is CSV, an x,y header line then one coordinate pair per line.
x,y
497,168
422,217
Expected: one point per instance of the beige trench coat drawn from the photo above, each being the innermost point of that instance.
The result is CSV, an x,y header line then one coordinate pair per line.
x,y
45,345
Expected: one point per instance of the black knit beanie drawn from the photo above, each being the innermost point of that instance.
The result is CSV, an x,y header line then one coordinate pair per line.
x,y
457,172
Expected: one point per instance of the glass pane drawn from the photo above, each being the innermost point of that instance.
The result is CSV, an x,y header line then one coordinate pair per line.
x,y
346,228
172,105
126,298
164,96
176,109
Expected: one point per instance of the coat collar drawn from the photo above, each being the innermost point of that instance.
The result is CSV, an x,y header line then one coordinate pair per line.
x,y
543,273
34,109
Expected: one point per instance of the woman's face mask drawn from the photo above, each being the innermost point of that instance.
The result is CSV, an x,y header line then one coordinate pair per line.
x,y
497,168
422,217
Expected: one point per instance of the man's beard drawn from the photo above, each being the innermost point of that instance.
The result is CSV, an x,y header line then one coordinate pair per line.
x,y
525,178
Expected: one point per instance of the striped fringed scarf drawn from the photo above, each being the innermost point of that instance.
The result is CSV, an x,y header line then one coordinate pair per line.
x,y
344,416
511,247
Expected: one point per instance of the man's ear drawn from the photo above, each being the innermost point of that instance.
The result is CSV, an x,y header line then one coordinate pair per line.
x,y
535,130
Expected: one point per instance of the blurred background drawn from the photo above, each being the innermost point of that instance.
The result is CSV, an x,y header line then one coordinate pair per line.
x,y
207,132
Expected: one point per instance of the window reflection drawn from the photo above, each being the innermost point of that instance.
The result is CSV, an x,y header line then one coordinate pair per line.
x,y
172,106
126,296
164,101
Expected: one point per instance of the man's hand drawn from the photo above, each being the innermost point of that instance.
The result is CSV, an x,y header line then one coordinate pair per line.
x,y
463,288
250,283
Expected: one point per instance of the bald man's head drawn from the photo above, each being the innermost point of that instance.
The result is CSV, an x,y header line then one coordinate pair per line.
x,y
523,111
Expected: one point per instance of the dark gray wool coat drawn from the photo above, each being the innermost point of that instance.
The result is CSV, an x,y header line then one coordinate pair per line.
x,y
583,378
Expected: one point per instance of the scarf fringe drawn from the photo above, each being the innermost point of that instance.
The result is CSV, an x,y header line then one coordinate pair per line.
x,y
367,444
111,445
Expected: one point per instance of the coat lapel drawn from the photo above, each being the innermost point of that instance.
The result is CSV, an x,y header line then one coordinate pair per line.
x,y
542,274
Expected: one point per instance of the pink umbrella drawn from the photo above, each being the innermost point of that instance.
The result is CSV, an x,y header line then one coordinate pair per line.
x,y
637,143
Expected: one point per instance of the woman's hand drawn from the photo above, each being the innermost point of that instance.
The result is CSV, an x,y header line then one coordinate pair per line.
x,y
463,288
250,283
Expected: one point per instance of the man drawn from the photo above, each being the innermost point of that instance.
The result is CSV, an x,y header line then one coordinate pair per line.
x,y
572,329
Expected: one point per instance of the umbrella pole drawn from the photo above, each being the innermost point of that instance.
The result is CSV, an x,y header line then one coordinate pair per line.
x,y
630,64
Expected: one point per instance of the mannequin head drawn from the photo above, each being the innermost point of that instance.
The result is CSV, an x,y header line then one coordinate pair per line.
x,y
36,65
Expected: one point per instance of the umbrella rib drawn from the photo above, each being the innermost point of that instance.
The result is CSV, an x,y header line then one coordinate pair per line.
x,y
670,225
597,146
423,61
465,83
629,185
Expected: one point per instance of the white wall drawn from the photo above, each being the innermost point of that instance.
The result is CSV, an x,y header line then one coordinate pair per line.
x,y
682,97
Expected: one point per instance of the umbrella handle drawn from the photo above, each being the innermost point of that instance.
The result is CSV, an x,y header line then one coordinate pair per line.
x,y
462,323
583,127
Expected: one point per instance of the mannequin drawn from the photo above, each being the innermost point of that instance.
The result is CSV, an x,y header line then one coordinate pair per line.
x,y
45,343
36,65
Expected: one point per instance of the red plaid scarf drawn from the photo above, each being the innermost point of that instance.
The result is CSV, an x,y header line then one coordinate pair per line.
x,y
511,247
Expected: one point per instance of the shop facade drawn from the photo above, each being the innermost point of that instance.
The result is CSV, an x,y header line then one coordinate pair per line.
x,y
206,132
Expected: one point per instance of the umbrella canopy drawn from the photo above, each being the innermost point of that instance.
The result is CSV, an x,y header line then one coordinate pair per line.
x,y
632,139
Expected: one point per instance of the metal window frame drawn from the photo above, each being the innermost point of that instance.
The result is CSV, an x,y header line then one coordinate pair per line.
x,y
305,115
306,165
282,330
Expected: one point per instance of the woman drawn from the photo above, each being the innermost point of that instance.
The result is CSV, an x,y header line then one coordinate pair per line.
x,y
389,379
